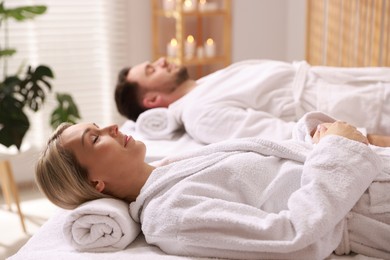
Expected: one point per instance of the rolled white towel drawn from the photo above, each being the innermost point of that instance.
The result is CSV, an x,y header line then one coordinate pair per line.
x,y
102,225
157,123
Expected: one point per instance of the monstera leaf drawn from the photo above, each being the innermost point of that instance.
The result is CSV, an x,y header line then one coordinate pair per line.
x,y
66,111
14,95
21,13
7,52
13,121
25,90
32,88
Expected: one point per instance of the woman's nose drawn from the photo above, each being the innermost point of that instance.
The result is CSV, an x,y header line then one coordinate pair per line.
x,y
113,130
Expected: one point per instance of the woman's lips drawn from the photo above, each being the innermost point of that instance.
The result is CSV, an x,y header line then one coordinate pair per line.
x,y
127,139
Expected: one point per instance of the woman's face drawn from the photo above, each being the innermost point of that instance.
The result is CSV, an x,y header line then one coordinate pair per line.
x,y
111,158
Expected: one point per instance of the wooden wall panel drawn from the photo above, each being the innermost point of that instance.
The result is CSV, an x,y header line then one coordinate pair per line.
x,y
348,33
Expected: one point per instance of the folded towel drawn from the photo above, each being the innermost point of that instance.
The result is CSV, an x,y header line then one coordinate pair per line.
x,y
100,226
157,123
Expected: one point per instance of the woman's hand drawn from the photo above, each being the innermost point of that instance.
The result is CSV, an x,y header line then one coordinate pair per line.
x,y
338,128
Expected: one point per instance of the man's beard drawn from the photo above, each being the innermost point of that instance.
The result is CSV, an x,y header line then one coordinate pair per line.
x,y
182,75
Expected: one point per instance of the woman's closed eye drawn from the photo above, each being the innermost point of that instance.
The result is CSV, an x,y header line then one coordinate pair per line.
x,y
95,134
95,138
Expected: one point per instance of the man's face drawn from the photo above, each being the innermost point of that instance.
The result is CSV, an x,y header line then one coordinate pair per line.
x,y
159,76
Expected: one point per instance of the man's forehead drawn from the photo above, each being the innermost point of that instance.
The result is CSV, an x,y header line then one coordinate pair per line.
x,y
136,71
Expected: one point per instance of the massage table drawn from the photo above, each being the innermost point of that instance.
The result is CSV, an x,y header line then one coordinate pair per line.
x,y
48,244
49,241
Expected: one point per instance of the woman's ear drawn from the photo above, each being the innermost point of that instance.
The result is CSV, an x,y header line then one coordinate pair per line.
x,y
152,100
99,185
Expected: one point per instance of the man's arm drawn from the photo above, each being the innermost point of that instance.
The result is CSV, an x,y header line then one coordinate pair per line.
x,y
216,124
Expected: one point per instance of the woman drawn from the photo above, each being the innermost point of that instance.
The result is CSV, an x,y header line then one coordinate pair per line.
x,y
244,199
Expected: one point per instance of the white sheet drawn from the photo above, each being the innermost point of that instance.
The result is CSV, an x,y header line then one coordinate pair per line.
x,y
48,244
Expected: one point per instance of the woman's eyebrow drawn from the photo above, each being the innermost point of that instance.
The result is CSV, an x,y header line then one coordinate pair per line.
x,y
85,132
83,135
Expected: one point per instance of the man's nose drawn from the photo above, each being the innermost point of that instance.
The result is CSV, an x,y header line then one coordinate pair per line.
x,y
162,62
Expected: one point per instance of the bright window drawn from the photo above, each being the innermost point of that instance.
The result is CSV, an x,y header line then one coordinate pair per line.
x,y
84,42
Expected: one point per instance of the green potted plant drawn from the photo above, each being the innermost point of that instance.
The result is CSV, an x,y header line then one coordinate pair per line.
x,y
28,87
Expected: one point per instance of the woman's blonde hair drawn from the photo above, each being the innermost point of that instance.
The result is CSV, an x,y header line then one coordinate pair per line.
x,y
61,177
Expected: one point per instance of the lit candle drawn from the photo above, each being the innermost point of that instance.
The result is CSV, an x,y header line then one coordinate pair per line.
x,y
189,5
190,47
172,48
168,5
202,5
209,48
205,6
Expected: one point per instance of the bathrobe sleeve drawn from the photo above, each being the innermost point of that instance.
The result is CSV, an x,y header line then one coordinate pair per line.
x,y
222,122
311,227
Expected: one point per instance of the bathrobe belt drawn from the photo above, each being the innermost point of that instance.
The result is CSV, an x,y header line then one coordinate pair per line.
x,y
298,85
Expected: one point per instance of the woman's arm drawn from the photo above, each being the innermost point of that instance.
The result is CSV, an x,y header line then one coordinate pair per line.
x,y
341,128
334,176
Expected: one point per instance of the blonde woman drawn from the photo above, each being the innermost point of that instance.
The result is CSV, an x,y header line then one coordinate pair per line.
x,y
242,199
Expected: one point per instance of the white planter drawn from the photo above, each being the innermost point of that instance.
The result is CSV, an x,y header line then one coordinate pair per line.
x,y
22,163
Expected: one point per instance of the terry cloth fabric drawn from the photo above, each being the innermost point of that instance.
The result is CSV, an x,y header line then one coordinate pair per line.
x,y
254,198
101,225
157,123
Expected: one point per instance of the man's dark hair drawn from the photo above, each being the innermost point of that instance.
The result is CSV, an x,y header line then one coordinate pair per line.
x,y
127,96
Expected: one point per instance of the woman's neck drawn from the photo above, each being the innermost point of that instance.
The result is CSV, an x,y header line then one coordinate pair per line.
x,y
137,184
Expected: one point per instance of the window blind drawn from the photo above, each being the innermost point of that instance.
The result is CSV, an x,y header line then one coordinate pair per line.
x,y
85,44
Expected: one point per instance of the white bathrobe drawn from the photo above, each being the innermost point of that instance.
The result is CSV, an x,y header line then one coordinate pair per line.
x,y
258,199
263,98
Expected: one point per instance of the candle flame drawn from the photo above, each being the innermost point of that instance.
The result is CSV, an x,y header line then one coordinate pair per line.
x,y
209,41
173,42
188,3
190,38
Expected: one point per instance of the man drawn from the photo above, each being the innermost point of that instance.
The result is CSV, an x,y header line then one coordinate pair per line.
x,y
256,97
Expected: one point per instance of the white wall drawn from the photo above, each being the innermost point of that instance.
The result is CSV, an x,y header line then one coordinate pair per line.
x,y
140,37
296,30
261,29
